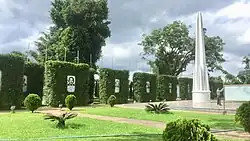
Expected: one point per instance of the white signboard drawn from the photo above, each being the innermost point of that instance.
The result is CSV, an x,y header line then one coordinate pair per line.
x,y
237,92
25,78
117,85
0,80
148,87
71,82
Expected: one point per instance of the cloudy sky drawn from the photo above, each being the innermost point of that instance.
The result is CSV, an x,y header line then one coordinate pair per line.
x,y
22,21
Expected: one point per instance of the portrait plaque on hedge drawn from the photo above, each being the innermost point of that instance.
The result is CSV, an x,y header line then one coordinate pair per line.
x,y
148,87
25,78
170,87
117,85
0,80
71,81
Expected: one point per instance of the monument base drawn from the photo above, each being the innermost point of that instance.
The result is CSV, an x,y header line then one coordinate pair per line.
x,y
200,99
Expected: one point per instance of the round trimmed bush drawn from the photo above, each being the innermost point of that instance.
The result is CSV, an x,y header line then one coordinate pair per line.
x,y
111,100
187,130
32,102
70,101
242,116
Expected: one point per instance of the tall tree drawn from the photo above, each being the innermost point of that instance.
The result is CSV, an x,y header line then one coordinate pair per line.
x,y
79,25
246,62
173,49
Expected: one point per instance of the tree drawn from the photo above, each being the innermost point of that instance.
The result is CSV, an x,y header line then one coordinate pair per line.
x,y
246,62
173,49
79,25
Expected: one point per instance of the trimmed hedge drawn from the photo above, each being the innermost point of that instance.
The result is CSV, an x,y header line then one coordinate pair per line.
x,y
12,68
35,77
164,82
139,87
107,85
185,87
55,87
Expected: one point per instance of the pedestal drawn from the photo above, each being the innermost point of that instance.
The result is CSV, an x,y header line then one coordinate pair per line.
x,y
201,99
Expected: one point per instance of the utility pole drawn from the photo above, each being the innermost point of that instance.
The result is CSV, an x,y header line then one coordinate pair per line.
x,y
77,56
65,54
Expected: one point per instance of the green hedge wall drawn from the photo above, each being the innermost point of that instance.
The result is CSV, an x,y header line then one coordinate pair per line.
x,y
139,87
107,85
185,87
166,87
35,77
55,87
12,68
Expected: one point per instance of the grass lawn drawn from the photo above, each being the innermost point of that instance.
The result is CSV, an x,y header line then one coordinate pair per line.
x,y
216,121
28,125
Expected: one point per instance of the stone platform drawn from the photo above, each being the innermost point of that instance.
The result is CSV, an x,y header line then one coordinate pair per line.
x,y
230,106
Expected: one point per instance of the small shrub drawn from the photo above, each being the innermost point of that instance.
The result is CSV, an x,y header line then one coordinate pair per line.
x,y
187,130
111,100
70,101
242,116
60,118
32,102
157,108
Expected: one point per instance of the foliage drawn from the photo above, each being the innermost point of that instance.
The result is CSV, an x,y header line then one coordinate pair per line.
x,y
96,88
77,25
35,76
60,118
107,85
70,101
173,49
242,116
166,87
187,130
131,92
12,80
32,102
55,90
139,87
157,108
111,100
185,86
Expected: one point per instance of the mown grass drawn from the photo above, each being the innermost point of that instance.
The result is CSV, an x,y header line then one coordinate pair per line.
x,y
216,121
27,125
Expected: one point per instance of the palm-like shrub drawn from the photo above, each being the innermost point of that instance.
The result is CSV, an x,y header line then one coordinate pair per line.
x,y
157,108
60,118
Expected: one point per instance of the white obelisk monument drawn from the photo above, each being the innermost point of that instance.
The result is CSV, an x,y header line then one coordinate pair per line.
x,y
201,91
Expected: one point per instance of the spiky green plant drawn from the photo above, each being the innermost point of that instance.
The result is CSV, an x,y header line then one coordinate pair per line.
x,y
157,108
60,118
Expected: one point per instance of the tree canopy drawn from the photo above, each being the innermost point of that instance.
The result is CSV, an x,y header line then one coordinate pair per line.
x,y
78,25
173,49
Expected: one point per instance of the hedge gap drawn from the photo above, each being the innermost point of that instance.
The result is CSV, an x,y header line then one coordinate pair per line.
x,y
35,77
185,88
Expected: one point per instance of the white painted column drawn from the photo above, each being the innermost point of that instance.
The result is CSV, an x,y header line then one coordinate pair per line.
x,y
201,91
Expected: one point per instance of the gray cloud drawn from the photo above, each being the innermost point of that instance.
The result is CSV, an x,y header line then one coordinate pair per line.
x,y
22,20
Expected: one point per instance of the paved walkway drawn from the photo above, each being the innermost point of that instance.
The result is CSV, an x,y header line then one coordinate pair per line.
x,y
161,125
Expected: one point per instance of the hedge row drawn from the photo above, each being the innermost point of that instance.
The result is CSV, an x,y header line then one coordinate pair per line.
x,y
35,77
107,85
12,68
166,87
139,87
186,85
55,87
